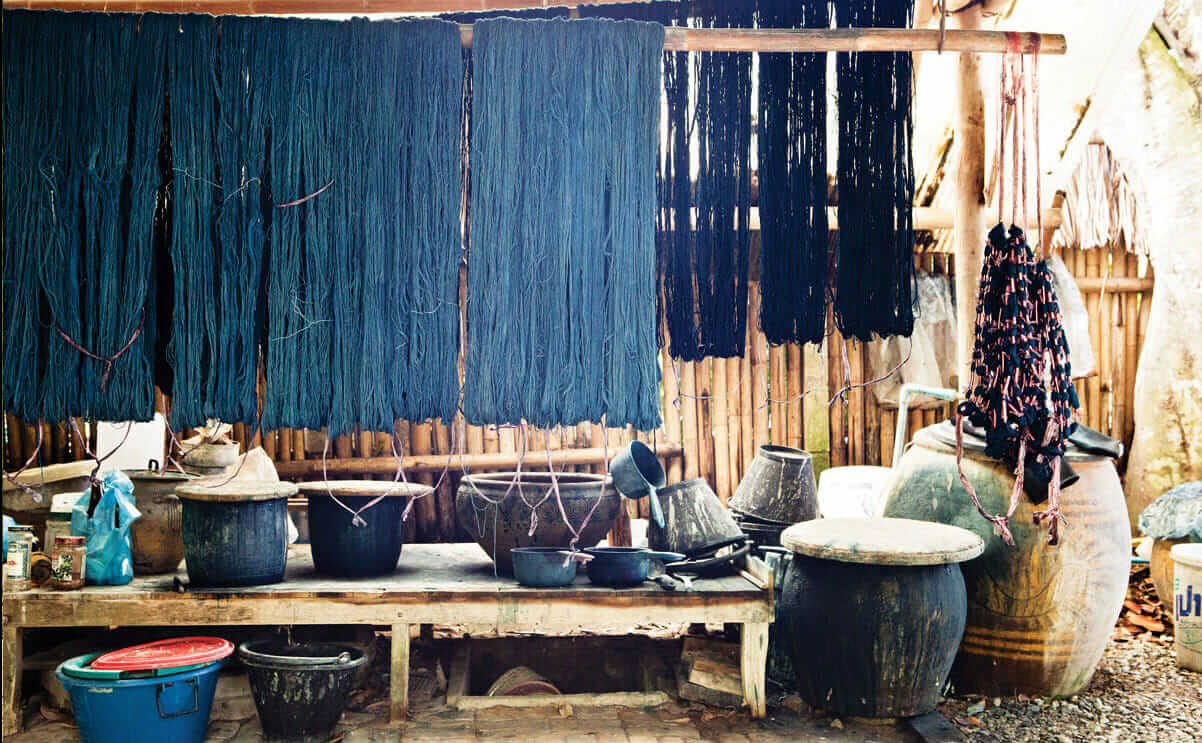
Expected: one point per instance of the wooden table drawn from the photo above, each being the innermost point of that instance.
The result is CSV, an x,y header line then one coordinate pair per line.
x,y
442,584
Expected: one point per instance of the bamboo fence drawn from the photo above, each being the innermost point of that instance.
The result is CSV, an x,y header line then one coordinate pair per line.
x,y
716,411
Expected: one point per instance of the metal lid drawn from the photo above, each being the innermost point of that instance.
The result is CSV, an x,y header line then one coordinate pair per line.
x,y
882,541
181,651
373,488
236,491
69,541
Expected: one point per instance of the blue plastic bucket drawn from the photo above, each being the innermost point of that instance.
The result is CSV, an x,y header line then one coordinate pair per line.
x,y
172,707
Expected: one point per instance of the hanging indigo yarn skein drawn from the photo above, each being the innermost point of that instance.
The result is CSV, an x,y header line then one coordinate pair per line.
x,y
792,180
561,288
874,274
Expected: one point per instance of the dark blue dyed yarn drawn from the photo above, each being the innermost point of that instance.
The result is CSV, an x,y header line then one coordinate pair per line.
x,y
79,215
561,282
792,180
874,274
362,287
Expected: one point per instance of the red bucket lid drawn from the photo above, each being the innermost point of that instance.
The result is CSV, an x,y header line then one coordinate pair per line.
x,y
183,651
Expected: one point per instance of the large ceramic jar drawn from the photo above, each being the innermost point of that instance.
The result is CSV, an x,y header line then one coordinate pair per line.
x,y
873,610
1039,616
157,538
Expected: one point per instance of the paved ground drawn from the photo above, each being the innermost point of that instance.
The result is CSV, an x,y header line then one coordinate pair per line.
x,y
1138,694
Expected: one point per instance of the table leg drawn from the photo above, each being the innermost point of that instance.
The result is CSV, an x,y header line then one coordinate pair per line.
x,y
12,660
399,676
754,663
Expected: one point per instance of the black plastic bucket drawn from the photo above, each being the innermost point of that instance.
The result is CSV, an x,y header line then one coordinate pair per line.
x,y
235,534
340,548
300,690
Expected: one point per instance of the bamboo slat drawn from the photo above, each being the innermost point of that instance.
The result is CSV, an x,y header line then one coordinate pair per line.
x,y
795,379
747,396
269,446
872,415
1130,351
855,403
734,402
888,431
689,420
1093,394
1118,345
445,503
705,438
760,393
778,392
421,443
817,414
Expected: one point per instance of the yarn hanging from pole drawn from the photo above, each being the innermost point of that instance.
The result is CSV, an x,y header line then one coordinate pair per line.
x,y
81,185
793,180
364,243
561,284
874,274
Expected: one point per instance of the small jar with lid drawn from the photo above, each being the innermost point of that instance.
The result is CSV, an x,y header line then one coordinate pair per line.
x,y
16,562
67,562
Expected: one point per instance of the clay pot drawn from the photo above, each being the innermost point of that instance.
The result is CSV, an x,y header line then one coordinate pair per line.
x,y
157,538
695,521
1039,616
209,459
511,513
778,486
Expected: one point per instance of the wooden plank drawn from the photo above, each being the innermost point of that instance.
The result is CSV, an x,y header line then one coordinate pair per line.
x,y
604,699
753,666
795,378
461,672
713,673
888,430
398,708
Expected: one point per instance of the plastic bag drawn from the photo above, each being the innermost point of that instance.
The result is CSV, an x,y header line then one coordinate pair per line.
x,y
110,553
931,347
1074,318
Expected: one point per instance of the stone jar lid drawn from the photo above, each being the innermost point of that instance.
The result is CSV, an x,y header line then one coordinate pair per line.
x,y
374,488
237,491
882,541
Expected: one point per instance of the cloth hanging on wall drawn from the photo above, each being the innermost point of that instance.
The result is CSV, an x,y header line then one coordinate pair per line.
x,y
82,187
704,274
793,180
561,283
874,274
364,244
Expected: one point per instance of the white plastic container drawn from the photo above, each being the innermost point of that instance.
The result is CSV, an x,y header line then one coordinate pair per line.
x,y
1187,605
855,492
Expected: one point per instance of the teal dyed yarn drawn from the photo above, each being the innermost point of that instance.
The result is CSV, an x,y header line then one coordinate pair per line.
x,y
365,189
561,266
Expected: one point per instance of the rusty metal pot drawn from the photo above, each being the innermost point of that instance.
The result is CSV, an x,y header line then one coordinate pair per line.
x,y
157,537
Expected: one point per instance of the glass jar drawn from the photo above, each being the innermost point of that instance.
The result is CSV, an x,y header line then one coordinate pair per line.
x,y
16,562
67,562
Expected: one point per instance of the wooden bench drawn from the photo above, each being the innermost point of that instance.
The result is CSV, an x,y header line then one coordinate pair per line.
x,y
435,584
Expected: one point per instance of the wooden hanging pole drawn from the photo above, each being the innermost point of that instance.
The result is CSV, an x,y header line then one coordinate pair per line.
x,y
675,38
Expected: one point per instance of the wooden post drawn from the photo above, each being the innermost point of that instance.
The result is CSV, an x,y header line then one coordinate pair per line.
x,y
753,666
12,658
969,234
398,708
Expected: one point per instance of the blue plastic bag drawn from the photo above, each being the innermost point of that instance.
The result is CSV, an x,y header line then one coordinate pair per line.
x,y
110,553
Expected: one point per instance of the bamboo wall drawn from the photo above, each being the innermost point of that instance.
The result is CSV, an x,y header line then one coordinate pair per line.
x,y
718,411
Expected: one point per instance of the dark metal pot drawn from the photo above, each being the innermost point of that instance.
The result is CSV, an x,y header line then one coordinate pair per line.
x,y
623,566
544,567
778,487
695,521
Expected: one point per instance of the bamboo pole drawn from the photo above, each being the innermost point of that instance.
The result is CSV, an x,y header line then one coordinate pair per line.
x,y
1093,406
734,401
1118,345
795,377
719,424
838,409
1131,352
855,403
691,440
872,415
445,504
705,407
814,408
672,423
425,464
778,392
421,440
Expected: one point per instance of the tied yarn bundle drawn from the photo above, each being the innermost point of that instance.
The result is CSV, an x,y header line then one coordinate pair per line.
x,y
81,195
1021,390
561,321
792,180
874,282
364,245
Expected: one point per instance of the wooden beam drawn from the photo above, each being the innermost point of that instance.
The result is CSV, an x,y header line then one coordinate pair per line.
x,y
676,38
398,676
436,462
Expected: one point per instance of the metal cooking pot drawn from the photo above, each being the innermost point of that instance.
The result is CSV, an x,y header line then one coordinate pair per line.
x,y
623,566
